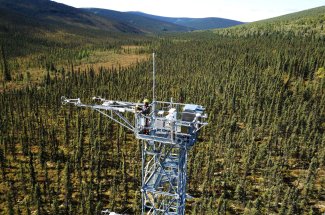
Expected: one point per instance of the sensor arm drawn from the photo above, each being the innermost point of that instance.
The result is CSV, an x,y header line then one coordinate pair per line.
x,y
116,108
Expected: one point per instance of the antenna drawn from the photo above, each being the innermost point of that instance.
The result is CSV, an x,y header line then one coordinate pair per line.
x,y
153,77
153,84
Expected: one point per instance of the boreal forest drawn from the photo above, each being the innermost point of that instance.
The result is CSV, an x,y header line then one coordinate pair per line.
x,y
263,86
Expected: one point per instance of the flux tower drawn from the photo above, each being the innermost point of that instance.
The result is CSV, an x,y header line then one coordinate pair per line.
x,y
167,131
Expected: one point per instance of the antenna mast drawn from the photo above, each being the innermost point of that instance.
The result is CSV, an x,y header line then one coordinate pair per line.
x,y
153,77
153,85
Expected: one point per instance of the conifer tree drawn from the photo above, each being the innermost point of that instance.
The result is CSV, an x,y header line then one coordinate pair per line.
x,y
67,187
10,203
4,64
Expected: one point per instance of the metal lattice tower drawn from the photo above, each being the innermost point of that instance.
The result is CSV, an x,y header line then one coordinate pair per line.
x,y
167,131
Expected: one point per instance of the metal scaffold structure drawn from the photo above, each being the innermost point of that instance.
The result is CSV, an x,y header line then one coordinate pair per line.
x,y
167,131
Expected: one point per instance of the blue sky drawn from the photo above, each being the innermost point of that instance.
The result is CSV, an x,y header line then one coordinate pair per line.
x,y
242,10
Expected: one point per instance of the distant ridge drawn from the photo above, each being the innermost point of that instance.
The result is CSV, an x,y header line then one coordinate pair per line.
x,y
46,15
195,23
144,23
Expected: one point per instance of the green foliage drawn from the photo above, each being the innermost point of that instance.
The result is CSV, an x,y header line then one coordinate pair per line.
x,y
4,65
262,153
83,54
308,23
320,73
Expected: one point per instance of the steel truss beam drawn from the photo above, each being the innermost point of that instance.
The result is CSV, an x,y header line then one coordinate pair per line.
x,y
163,178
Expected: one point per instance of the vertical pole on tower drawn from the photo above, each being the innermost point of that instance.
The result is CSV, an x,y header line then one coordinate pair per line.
x,y
153,84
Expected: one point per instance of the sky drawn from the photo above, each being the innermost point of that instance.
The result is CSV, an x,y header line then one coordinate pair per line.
x,y
241,10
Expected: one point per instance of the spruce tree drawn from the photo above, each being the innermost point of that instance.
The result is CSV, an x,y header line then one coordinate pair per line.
x,y
4,64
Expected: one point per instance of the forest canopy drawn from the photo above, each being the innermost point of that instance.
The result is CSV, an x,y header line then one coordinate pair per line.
x,y
263,151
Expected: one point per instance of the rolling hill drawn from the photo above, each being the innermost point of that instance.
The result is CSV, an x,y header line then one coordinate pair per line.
x,y
28,27
45,15
49,15
195,23
37,25
304,23
144,23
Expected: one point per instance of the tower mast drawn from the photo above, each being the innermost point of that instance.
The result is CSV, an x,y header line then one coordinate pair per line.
x,y
166,133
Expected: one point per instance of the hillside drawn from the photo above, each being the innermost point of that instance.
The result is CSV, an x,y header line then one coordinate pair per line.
x,y
39,25
35,33
195,23
144,23
53,16
307,23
